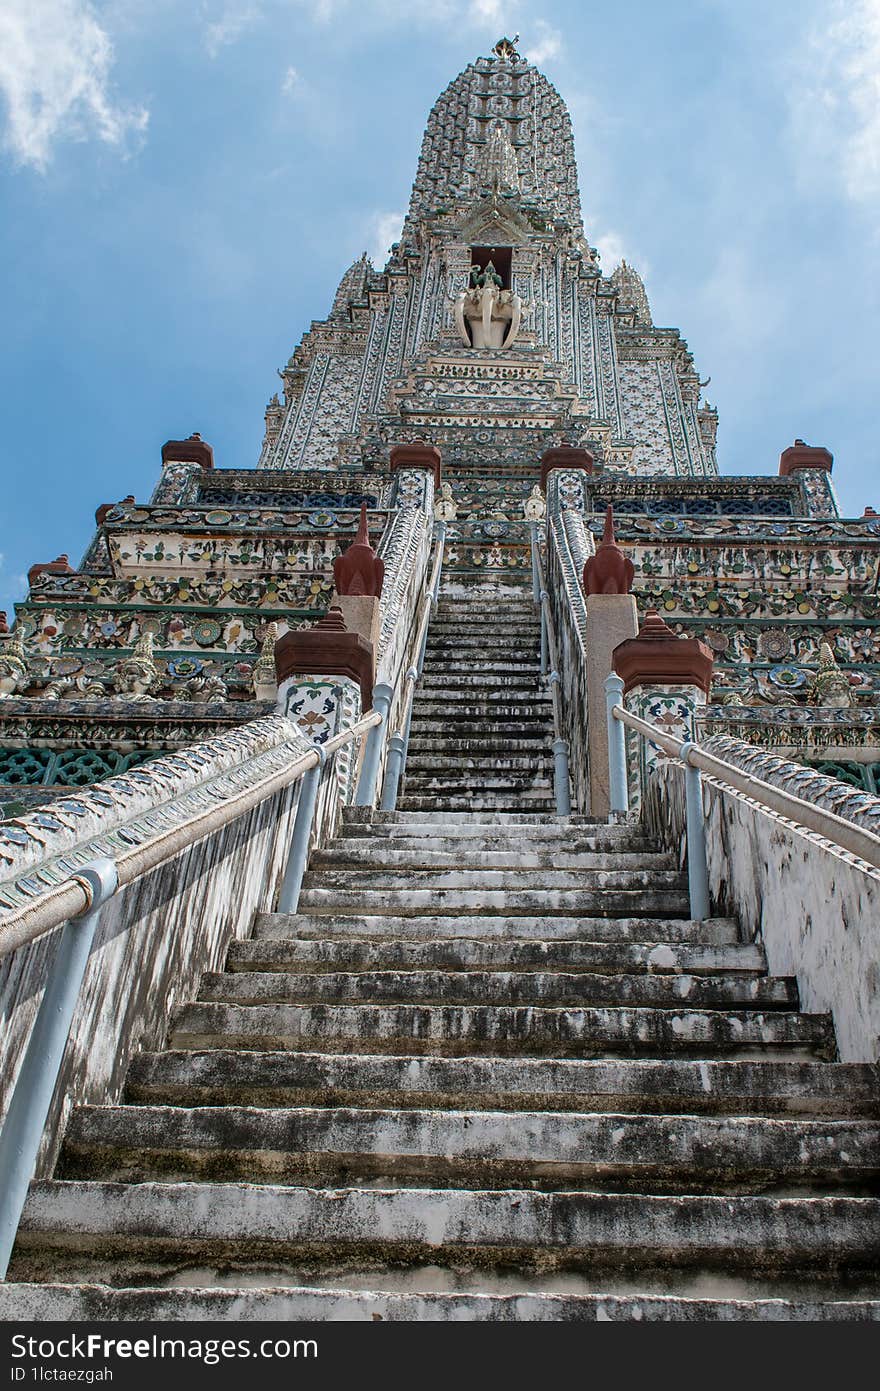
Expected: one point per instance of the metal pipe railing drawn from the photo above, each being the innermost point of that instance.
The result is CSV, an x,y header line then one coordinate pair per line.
x,y
550,669
77,904
845,835
398,743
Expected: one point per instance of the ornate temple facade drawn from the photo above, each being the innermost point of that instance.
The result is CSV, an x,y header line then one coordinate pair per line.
x,y
491,340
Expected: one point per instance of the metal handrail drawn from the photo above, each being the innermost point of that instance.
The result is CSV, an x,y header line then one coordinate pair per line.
x,y
77,904
550,669
73,897
845,835
398,742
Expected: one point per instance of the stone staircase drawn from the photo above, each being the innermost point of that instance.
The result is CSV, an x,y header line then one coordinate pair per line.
x,y
489,1071
482,724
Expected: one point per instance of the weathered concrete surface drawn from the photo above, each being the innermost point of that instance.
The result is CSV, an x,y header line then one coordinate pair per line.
x,y
522,927
815,908
480,1147
505,1029
770,1086
253,1221
475,954
97,1303
553,988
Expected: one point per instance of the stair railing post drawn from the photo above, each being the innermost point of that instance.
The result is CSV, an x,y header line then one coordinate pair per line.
x,y
617,780
298,854
441,542
393,770
561,786
38,1076
536,581
697,861
366,788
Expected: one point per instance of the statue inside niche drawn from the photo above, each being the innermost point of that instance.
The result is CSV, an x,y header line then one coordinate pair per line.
x,y
486,315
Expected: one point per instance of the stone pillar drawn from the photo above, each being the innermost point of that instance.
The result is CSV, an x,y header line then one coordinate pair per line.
x,y
417,470
665,679
811,465
563,470
183,462
612,619
325,683
359,574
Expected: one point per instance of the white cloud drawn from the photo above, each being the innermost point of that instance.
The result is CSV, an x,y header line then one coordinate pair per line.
x,y
234,20
385,228
291,81
55,63
613,248
835,97
547,45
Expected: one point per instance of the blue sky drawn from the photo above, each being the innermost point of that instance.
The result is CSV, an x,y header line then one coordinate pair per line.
x,y
182,186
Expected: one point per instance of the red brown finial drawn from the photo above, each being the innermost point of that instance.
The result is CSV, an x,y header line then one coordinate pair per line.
x,y
800,456
656,656
59,566
609,571
4,626
359,570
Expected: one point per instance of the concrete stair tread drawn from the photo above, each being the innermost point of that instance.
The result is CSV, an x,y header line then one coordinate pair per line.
x,y
593,1228
610,901
485,1149
445,876
553,988
469,954
648,929
581,1031
95,1303
754,1087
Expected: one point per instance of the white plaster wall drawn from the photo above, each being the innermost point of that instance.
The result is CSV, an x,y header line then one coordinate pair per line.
x,y
815,908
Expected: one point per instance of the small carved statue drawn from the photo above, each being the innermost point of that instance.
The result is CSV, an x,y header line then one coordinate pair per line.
x,y
534,507
13,669
830,686
135,676
445,508
264,678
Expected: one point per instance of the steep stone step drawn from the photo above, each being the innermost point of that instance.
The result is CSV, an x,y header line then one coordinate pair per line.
x,y
748,1087
96,1303
483,1148
469,954
442,876
466,801
490,766
554,988
500,902
64,1223
497,1029
426,927
355,854
532,743
547,839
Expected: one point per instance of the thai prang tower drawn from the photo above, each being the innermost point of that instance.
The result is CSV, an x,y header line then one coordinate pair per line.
x,y
450,926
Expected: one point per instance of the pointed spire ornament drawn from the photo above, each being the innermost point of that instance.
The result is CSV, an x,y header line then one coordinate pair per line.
x,y
359,570
830,686
609,571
